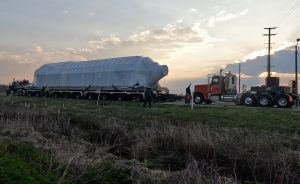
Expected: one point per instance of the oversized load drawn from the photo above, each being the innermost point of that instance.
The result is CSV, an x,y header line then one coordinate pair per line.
x,y
114,72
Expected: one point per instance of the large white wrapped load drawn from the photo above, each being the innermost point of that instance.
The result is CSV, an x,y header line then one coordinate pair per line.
x,y
118,72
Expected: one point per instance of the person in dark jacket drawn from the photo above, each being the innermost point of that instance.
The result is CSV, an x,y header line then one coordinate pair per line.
x,y
148,96
188,94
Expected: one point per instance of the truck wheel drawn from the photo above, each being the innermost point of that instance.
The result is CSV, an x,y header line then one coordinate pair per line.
x,y
248,99
198,98
265,100
284,101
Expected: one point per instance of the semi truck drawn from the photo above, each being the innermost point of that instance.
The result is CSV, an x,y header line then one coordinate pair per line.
x,y
223,88
121,78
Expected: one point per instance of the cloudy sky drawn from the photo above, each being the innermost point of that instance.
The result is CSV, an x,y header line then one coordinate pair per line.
x,y
193,37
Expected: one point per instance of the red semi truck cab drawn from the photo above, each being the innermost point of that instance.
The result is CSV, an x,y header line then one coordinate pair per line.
x,y
217,87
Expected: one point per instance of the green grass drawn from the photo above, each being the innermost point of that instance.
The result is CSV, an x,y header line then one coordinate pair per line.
x,y
132,112
165,138
22,163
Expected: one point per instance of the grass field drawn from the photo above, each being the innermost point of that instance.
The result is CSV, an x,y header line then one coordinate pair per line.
x,y
121,142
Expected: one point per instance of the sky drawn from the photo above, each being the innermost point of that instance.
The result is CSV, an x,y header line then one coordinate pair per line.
x,y
193,37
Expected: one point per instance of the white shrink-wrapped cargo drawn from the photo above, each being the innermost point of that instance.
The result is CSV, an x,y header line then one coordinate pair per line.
x,y
117,72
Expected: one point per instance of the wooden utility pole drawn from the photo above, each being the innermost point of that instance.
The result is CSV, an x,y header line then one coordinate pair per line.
x,y
239,78
296,71
269,47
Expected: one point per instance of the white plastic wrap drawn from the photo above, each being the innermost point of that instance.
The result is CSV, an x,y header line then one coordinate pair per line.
x,y
124,71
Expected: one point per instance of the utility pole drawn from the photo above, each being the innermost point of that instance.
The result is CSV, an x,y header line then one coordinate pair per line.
x,y
269,47
296,71
239,78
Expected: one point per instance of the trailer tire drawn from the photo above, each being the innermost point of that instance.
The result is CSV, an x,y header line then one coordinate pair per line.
x,y
265,100
284,101
248,99
198,98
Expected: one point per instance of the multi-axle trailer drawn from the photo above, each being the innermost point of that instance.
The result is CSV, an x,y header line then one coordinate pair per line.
x,y
117,78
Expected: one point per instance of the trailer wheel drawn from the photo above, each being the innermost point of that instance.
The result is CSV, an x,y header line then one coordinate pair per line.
x,y
248,99
265,100
198,98
284,101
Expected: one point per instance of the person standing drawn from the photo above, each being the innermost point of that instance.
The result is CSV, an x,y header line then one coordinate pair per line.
x,y
188,94
148,96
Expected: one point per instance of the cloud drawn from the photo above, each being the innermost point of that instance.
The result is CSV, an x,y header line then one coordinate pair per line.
x,y
223,16
37,48
105,42
277,74
255,54
66,12
193,10
173,36
243,75
165,43
91,13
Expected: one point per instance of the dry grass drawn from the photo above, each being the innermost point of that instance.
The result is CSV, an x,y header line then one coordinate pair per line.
x,y
162,153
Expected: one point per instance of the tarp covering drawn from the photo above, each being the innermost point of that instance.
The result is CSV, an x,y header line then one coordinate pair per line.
x,y
124,71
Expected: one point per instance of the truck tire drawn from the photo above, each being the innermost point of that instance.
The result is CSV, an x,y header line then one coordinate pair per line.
x,y
284,101
265,100
248,99
198,98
